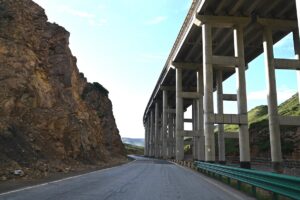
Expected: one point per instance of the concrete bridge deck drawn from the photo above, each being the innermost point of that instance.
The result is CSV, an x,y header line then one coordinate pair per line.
x,y
217,40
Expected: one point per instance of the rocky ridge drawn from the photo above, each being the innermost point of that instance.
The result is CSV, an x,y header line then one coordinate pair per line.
x,y
51,118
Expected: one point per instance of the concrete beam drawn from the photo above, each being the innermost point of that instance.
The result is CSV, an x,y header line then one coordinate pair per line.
x,y
188,120
189,133
232,135
167,88
289,120
229,97
278,24
228,119
221,21
225,60
189,95
173,111
186,65
286,64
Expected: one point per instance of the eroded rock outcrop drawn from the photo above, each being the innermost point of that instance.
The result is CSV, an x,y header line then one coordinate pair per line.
x,y
51,118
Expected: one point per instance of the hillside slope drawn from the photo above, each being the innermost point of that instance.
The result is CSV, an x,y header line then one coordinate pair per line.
x,y
51,118
259,131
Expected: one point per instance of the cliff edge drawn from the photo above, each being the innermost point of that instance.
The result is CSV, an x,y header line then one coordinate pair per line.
x,y
51,118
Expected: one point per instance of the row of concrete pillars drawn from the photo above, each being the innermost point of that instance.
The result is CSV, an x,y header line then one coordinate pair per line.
x,y
165,130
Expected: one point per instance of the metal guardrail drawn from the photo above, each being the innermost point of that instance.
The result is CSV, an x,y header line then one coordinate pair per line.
x,y
279,184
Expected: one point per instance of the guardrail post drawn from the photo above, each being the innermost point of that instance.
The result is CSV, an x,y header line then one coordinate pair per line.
x,y
253,188
239,185
228,180
275,196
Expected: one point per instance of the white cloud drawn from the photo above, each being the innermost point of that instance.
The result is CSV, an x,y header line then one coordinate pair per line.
x,y
92,19
78,13
156,20
97,23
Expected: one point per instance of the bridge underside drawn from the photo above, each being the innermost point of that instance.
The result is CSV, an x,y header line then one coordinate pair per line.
x,y
219,39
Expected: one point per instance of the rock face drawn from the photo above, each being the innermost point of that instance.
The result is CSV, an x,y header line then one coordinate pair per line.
x,y
50,116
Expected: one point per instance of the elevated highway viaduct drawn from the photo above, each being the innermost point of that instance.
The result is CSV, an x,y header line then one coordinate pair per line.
x,y
217,40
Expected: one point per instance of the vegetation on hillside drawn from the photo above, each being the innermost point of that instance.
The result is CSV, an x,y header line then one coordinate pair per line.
x,y
259,129
132,149
259,114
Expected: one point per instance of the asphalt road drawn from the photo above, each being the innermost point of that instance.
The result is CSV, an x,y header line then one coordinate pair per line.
x,y
139,180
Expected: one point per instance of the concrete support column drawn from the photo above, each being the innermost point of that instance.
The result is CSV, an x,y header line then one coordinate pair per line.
x,y
241,97
145,141
200,118
195,128
208,93
160,137
179,116
146,124
296,38
149,135
156,131
172,132
165,124
169,136
151,149
221,141
274,128
297,45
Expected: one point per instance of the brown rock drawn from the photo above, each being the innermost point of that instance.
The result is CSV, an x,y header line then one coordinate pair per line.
x,y
48,110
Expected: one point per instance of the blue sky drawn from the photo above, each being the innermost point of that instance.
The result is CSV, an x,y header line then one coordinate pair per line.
x,y
124,44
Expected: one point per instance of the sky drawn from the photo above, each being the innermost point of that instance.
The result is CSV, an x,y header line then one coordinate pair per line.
x,y
124,44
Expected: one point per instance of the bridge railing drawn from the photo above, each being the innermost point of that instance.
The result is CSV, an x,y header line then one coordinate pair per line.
x,y
279,184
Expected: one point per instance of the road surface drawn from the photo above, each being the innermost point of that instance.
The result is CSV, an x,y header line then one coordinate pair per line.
x,y
142,179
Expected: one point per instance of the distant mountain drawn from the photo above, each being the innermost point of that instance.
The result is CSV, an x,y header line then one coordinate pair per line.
x,y
134,141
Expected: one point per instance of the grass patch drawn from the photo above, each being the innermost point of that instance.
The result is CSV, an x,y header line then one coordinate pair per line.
x,y
132,149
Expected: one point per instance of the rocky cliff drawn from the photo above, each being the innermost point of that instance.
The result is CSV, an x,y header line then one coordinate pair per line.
x,y
51,118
